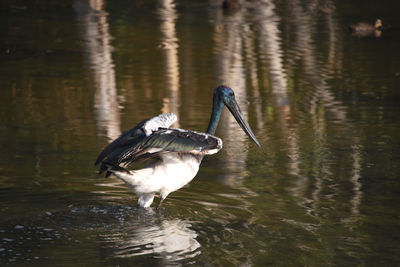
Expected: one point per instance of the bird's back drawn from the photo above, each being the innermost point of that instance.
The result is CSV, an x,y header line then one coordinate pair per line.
x,y
152,138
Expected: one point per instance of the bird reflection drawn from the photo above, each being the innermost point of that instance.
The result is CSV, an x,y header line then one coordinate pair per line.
x,y
170,240
95,30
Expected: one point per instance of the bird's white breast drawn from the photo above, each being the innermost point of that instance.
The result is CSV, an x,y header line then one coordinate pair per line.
x,y
165,176
178,170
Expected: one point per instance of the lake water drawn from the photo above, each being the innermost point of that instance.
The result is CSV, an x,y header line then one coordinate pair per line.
x,y
324,189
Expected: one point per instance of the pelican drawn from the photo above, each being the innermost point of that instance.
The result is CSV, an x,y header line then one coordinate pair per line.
x,y
176,153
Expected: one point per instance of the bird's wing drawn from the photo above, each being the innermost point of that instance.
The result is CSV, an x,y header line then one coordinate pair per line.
x,y
161,141
179,140
166,140
134,136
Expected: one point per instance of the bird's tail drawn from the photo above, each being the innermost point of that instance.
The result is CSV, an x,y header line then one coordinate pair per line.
x,y
111,168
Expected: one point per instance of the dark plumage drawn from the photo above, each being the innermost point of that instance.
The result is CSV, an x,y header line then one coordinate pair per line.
x,y
363,29
177,153
134,144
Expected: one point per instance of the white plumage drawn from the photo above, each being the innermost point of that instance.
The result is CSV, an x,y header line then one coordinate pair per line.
x,y
175,154
162,177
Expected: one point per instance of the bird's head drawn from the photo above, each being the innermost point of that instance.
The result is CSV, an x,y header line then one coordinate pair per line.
x,y
225,95
378,24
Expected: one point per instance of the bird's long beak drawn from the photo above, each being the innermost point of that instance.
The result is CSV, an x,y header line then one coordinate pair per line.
x,y
235,110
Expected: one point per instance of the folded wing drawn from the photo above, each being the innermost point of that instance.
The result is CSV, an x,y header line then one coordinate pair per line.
x,y
152,137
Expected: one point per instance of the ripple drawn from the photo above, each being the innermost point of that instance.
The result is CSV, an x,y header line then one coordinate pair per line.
x,y
123,232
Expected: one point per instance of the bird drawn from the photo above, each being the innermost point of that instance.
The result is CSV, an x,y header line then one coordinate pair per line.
x,y
363,29
174,155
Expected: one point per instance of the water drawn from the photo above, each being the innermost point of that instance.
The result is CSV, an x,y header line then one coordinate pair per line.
x,y
323,190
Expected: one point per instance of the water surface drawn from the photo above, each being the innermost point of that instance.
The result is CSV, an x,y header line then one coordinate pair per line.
x,y
323,190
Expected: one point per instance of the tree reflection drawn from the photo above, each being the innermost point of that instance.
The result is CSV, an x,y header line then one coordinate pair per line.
x,y
280,76
95,30
252,51
228,51
321,105
169,44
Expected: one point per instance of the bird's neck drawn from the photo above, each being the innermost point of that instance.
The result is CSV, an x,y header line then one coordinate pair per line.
x,y
215,115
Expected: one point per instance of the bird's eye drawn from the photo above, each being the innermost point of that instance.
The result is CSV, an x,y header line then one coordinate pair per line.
x,y
231,94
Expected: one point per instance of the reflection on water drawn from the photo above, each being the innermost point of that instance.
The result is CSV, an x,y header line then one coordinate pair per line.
x,y
171,240
95,30
322,103
132,232
169,44
319,96
239,60
230,70
271,51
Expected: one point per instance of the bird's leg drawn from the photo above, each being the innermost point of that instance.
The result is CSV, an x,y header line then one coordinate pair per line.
x,y
160,202
145,200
